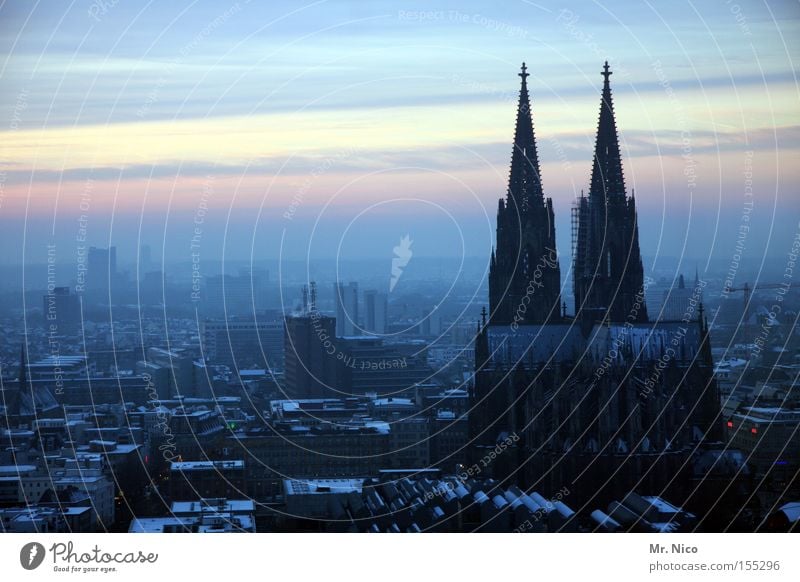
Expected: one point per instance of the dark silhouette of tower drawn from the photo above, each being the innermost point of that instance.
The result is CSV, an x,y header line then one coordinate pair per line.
x,y
608,274
524,274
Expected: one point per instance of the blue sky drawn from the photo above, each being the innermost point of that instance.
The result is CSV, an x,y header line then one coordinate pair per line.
x,y
386,119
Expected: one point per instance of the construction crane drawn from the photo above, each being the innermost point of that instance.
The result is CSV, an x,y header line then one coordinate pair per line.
x,y
748,291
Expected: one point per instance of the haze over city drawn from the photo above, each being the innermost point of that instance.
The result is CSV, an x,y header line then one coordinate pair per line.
x,y
379,120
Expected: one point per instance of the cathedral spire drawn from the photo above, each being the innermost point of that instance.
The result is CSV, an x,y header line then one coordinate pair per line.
x,y
524,184
608,181
526,239
609,274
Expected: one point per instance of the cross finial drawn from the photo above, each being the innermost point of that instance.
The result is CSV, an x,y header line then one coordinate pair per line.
x,y
524,74
606,73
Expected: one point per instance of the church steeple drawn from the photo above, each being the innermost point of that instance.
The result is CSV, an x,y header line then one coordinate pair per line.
x,y
524,183
607,177
525,256
609,274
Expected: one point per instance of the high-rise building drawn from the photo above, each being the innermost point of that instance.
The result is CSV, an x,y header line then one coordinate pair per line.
x,y
346,298
310,350
102,269
375,309
603,400
152,288
145,260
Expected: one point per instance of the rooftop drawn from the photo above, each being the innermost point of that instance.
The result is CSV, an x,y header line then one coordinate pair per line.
x,y
322,486
206,465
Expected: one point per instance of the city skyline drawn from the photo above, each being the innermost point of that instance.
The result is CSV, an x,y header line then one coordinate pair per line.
x,y
351,267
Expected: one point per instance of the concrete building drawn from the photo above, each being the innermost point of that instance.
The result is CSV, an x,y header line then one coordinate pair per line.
x,y
242,343
202,479
347,317
368,365
310,355
202,516
376,309
769,438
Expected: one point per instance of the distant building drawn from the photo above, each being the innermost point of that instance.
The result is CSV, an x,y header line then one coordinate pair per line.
x,y
244,343
677,302
145,259
171,372
199,479
62,312
346,299
310,450
229,296
375,311
310,355
85,475
192,432
101,271
152,288
769,438
369,365
449,438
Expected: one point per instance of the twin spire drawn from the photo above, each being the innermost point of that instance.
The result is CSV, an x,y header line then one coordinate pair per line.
x,y
524,183
608,269
607,178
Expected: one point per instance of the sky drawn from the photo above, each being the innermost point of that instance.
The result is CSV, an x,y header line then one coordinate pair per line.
x,y
252,130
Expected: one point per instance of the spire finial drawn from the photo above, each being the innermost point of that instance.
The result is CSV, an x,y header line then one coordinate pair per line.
x,y
524,74
606,72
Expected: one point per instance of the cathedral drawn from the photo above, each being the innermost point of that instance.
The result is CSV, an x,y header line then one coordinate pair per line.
x,y
602,401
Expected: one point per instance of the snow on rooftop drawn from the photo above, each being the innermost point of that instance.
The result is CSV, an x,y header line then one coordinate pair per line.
x,y
322,486
206,465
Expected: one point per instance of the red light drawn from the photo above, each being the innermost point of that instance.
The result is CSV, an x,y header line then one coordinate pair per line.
x,y
147,458
754,431
730,424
